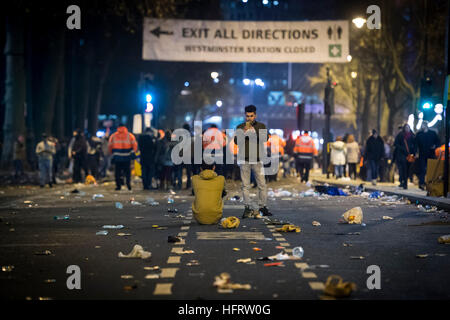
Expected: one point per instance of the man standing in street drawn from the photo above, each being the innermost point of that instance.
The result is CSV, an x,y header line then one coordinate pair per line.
x,y
122,145
45,151
373,154
247,161
427,141
147,146
304,151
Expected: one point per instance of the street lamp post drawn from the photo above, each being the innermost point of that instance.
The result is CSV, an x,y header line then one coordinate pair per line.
x,y
326,131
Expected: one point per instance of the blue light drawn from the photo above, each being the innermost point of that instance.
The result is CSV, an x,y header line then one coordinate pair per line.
x,y
427,105
148,97
186,84
275,3
246,81
216,80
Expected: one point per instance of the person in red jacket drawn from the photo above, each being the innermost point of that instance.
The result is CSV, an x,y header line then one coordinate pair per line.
x,y
122,145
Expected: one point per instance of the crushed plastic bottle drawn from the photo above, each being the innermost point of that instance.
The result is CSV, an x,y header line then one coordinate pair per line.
x,y
102,233
113,227
66,217
170,200
298,252
97,196
152,202
119,205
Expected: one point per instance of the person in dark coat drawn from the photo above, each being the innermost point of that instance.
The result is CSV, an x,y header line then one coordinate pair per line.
x,y
79,155
147,146
427,141
404,145
374,152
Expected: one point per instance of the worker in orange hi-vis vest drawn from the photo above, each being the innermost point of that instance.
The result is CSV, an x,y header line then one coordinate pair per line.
x,y
276,144
440,152
213,142
304,151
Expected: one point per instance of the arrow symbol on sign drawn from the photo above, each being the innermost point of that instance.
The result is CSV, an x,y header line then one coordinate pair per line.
x,y
157,31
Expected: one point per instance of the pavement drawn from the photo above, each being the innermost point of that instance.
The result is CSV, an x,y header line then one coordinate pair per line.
x,y
28,227
413,193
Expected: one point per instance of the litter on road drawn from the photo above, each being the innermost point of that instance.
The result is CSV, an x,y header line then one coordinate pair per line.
x,y
43,253
119,205
172,239
336,287
354,215
316,223
113,227
223,282
444,239
137,252
66,217
230,222
289,228
102,233
97,196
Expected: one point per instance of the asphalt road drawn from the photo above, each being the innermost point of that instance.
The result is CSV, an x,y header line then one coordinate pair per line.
x,y
393,245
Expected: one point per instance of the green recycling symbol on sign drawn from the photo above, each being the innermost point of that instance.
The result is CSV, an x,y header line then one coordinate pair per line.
x,y
335,50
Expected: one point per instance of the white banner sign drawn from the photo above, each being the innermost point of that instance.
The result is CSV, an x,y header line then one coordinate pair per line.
x,y
246,41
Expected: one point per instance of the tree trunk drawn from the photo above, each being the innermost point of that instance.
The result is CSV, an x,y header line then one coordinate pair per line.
x,y
366,109
85,89
15,86
53,70
93,123
59,123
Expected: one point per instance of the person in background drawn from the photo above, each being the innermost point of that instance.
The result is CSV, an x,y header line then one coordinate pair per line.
x,y
209,189
353,155
427,141
338,157
122,145
147,146
164,157
189,166
106,163
304,151
45,150
404,147
94,149
79,150
19,156
374,152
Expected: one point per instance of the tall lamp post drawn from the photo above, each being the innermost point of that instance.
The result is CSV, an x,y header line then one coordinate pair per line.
x,y
328,105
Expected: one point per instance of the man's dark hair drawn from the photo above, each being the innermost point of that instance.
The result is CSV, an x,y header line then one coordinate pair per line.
x,y
206,166
213,126
250,108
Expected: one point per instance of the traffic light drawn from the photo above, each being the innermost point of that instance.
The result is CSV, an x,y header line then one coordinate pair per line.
x,y
426,95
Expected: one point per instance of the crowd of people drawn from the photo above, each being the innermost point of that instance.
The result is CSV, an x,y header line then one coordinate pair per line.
x,y
380,158
376,160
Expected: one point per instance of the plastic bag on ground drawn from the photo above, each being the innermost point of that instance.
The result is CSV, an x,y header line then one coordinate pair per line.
x,y
230,222
337,288
354,215
137,252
